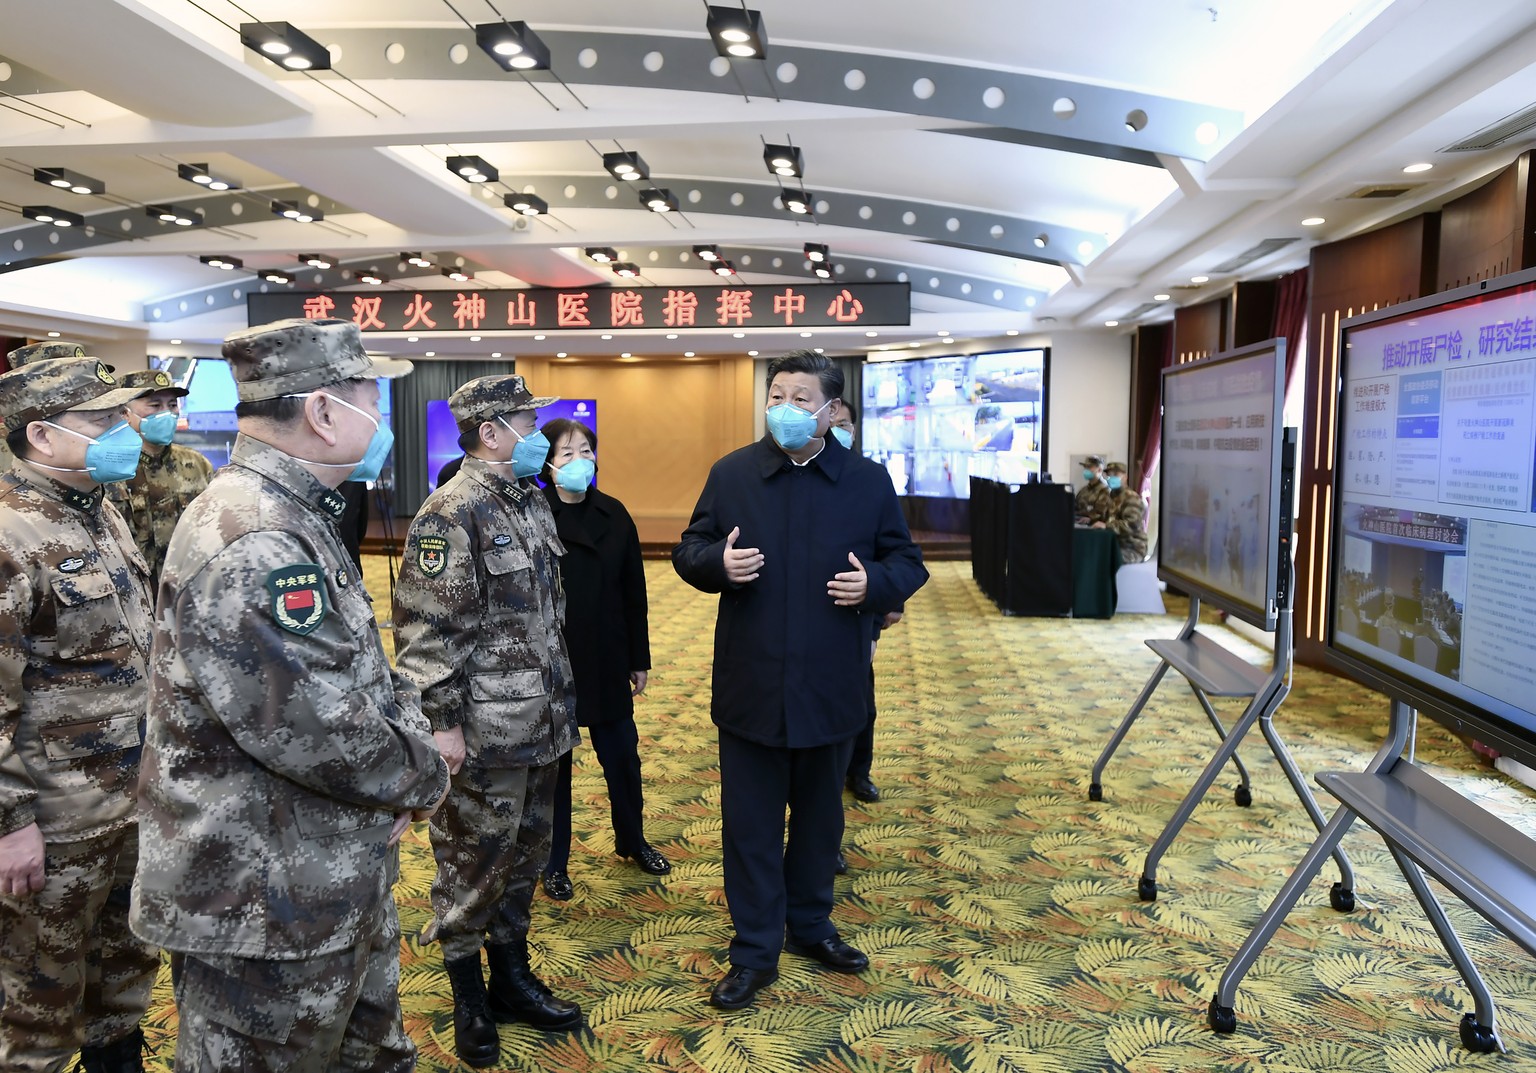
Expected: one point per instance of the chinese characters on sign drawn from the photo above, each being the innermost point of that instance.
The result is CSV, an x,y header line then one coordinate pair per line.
x,y
598,308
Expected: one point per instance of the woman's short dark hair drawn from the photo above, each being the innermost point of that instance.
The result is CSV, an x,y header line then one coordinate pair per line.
x,y
556,430
808,361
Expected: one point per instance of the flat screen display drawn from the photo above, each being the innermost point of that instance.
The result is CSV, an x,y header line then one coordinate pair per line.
x,y
443,432
1432,594
934,423
1219,517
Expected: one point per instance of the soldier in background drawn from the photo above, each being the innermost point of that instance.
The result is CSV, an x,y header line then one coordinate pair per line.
x,y
478,614
1127,515
169,475
1092,501
74,647
283,758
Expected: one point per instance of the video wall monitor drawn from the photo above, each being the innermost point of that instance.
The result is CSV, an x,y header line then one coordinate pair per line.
x,y
1432,580
443,431
1221,522
934,423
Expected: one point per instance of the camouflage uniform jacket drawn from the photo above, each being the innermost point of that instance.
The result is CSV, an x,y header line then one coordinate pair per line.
x,y
1093,501
280,744
154,498
74,653
478,614
1128,519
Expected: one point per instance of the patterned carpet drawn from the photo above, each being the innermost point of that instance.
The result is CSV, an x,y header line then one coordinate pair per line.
x,y
997,903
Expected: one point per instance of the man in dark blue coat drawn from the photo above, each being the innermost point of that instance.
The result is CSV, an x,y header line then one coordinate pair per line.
x,y
806,545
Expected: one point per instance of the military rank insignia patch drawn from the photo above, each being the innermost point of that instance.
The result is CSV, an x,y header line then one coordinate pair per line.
x,y
501,540
298,597
431,555
72,565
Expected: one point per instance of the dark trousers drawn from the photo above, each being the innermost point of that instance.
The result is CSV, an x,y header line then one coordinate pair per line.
x,y
863,754
773,884
617,745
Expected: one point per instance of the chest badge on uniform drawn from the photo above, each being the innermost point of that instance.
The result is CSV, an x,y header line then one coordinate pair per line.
x,y
501,540
298,597
431,555
71,565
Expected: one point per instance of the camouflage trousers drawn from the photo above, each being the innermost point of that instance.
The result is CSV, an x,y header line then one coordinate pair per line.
x,y
71,972
491,839
338,1011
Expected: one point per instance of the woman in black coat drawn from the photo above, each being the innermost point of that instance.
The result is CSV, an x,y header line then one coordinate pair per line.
x,y
608,640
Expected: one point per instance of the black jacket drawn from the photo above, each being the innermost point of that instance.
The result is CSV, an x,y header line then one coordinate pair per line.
x,y
606,631
790,665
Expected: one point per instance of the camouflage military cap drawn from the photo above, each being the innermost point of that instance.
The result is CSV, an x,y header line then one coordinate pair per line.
x,y
1092,460
43,351
288,357
41,389
1114,467
487,397
152,382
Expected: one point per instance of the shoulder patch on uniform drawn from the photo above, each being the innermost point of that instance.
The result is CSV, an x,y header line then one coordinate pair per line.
x,y
71,565
431,555
501,540
298,597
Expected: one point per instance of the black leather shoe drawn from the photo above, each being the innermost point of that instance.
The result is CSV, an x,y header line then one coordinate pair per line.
x,y
516,994
558,886
842,864
832,952
650,860
740,986
862,788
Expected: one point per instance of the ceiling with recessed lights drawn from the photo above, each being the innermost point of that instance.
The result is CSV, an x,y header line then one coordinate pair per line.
x,y
1024,166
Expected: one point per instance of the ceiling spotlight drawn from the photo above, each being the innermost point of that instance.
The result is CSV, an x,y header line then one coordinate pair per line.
x,y
1313,221
458,275
513,46
1111,324
281,43
228,264
603,255
473,169
658,200
47,214
179,215
1161,297
292,210
796,201
372,278
626,167
1199,279
707,253
822,271
1042,241
1414,169
724,268
272,275
316,260
817,252
626,270
199,174
73,181
737,32
784,160
415,259
527,204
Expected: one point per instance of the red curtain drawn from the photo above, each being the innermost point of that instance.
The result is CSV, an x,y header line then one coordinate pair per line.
x,y
1291,315
1153,449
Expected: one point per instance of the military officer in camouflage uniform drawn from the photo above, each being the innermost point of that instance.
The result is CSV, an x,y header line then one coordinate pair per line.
x,y
15,359
1092,503
1127,515
283,758
74,647
169,475
478,613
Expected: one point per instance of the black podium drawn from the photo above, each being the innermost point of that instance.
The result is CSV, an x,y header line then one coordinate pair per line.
x,y
1021,546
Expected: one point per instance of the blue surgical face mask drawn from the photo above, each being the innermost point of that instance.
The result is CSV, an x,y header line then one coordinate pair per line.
x,y
1088,475
576,475
792,427
530,453
843,436
1114,483
158,428
371,464
111,457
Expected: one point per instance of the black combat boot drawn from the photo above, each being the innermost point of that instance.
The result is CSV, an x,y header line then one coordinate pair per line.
x,y
518,995
125,1055
474,1033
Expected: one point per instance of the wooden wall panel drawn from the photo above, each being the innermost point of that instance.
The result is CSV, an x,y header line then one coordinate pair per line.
x,y
1484,234
1253,312
1200,330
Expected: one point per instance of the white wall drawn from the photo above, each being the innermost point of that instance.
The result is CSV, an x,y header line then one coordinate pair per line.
x,y
1090,398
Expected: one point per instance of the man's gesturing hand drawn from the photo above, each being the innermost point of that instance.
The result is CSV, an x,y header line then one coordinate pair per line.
x,y
849,588
741,564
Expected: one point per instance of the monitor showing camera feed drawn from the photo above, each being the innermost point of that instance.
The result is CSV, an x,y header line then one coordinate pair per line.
x,y
934,423
1220,514
1433,567
443,432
